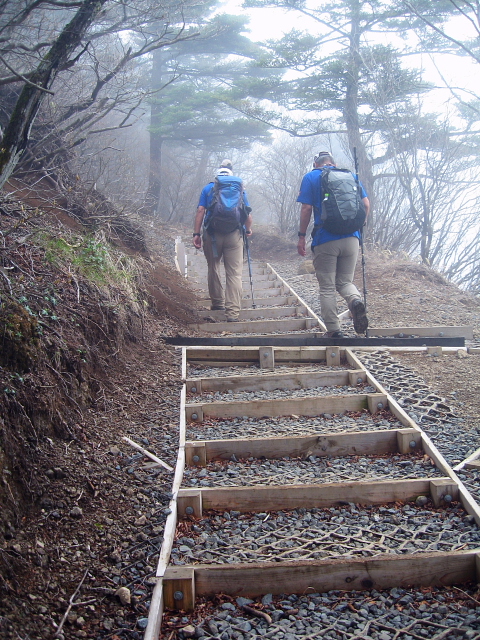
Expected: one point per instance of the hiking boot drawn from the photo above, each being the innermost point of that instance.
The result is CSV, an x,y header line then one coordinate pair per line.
x,y
216,308
232,319
359,315
333,334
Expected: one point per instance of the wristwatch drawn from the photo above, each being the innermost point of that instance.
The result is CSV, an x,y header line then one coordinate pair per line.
x,y
301,235
196,234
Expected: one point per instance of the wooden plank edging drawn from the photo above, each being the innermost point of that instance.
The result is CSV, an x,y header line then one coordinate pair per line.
x,y
319,576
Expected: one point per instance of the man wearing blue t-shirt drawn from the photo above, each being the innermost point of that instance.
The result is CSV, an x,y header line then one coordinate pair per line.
x,y
227,245
334,256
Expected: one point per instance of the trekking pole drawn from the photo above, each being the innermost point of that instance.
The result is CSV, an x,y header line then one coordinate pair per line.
x,y
355,159
247,248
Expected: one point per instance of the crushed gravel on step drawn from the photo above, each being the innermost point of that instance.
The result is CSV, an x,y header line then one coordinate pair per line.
x,y
204,371
246,427
312,470
336,532
437,613
278,394
431,412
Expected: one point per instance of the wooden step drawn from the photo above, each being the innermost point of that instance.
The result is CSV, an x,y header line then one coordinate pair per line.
x,y
271,301
303,406
346,443
264,312
256,326
283,381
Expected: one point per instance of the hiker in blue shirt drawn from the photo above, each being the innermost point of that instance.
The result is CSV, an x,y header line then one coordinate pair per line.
x,y
223,237
334,256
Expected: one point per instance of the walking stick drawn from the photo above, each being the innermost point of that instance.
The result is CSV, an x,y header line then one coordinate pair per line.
x,y
247,248
361,241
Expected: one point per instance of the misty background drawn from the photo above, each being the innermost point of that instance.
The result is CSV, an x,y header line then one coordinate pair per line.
x,y
136,103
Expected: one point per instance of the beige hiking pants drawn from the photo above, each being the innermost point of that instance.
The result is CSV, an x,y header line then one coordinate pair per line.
x,y
334,264
230,247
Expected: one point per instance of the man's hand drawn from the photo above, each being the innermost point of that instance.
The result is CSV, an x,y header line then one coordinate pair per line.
x,y
301,246
197,242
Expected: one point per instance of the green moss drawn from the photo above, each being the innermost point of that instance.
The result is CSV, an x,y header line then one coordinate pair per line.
x,y
95,259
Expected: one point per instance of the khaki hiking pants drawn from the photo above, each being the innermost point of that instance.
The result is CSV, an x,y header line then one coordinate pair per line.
x,y
334,264
230,247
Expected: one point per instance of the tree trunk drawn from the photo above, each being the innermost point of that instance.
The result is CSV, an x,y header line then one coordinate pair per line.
x,y
17,132
351,103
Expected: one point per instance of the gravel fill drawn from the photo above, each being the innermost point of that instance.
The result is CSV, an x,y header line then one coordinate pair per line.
x,y
245,427
335,532
471,479
278,394
198,371
431,412
313,470
396,614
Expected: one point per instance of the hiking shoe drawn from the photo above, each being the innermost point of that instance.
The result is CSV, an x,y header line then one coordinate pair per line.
x,y
215,308
359,314
232,319
333,334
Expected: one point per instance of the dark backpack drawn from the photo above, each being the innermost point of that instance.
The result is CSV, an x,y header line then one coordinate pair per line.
x,y
343,211
226,211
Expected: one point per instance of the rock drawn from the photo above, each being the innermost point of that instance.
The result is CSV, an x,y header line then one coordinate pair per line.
x,y
108,624
80,621
59,473
188,631
114,450
141,521
124,595
142,623
76,512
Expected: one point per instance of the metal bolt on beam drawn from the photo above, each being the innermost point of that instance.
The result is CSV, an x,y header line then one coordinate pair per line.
x,y
380,405
359,380
333,355
412,444
178,595
194,416
193,389
189,511
196,459
447,497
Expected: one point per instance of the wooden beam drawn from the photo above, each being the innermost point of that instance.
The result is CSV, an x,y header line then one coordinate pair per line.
x,y
332,356
252,326
317,576
409,440
196,453
189,503
179,588
361,443
266,359
264,312
284,381
443,491
306,406
423,332
305,496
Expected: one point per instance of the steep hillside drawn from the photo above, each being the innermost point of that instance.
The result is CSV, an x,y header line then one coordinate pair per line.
x,y
83,364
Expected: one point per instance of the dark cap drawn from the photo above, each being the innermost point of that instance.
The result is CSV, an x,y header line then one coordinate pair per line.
x,y
321,155
226,164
